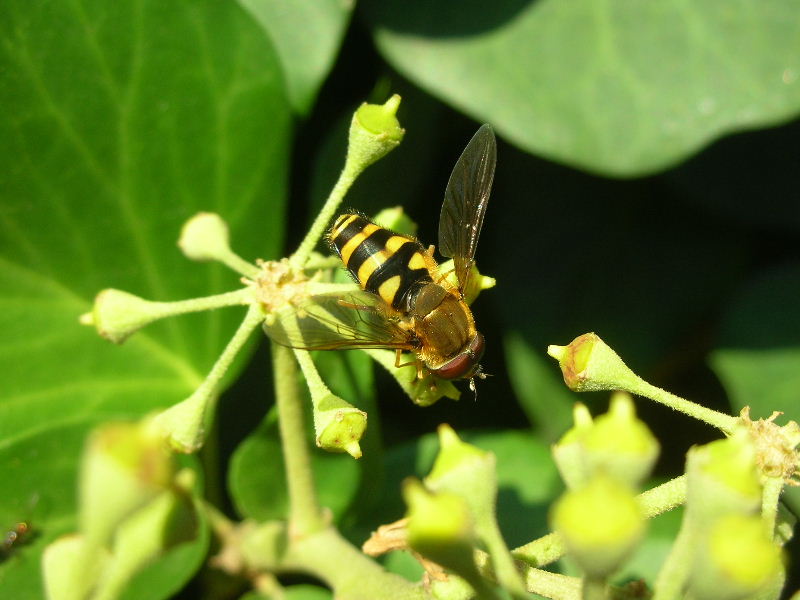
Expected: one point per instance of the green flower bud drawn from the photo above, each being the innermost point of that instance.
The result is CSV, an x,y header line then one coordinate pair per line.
x,y
589,364
621,445
374,132
124,466
440,528
205,237
117,315
735,560
183,425
423,392
469,472
568,452
601,524
396,220
475,284
722,478
140,538
71,568
339,425
264,544
457,458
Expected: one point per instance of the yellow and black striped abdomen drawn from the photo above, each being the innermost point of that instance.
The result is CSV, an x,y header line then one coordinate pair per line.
x,y
384,263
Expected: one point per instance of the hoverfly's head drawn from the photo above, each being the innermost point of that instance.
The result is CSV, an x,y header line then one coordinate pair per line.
x,y
466,364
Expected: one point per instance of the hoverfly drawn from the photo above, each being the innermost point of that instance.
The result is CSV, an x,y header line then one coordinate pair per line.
x,y
406,303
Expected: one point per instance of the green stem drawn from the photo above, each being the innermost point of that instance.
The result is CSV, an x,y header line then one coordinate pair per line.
x,y
594,589
346,179
552,585
185,422
663,497
236,263
305,516
351,574
675,570
169,309
721,421
773,486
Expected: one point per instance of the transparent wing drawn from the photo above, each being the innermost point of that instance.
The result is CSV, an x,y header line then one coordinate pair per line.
x,y
338,321
465,202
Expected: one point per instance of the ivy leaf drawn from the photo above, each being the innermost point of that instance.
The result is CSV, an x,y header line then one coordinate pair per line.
x,y
307,35
121,120
757,354
619,88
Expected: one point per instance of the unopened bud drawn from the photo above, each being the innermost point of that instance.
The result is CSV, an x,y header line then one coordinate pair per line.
x,y
601,524
722,478
374,132
71,567
396,219
124,466
588,364
205,237
339,425
117,315
735,560
621,445
440,528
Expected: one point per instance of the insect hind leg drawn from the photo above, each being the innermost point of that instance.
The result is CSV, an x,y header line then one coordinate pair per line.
x,y
416,362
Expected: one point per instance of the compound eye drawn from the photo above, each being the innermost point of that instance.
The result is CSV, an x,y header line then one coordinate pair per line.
x,y
466,363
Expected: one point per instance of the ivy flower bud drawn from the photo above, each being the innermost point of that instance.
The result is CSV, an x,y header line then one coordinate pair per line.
x,y
568,452
117,315
374,132
71,567
440,528
469,473
601,524
620,444
339,425
142,537
423,392
205,237
396,219
722,478
589,365
735,560
124,466
475,284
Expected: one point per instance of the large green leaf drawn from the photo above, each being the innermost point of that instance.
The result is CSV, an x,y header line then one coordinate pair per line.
x,y
120,121
307,35
621,88
757,354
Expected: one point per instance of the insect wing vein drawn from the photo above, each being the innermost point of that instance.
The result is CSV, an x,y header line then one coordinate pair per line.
x,y
465,201
337,321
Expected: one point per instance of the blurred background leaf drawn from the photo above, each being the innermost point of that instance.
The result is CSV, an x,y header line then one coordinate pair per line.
x,y
621,88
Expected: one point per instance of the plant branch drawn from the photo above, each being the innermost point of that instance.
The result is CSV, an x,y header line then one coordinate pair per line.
x,y
346,179
352,575
721,421
305,516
